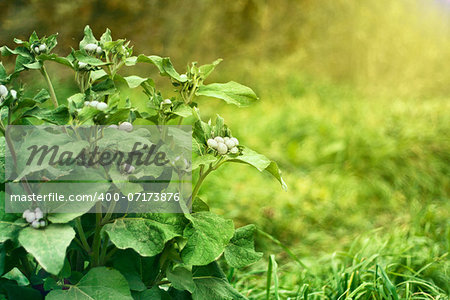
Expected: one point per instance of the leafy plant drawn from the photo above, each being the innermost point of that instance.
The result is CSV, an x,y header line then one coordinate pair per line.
x,y
123,256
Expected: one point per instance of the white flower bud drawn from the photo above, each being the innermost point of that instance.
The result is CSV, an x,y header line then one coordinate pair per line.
x,y
87,103
126,126
36,224
93,103
183,77
3,91
222,148
36,50
42,47
102,106
212,143
31,216
113,126
219,139
13,94
39,214
25,213
82,65
99,50
90,47
42,223
167,102
235,140
234,150
230,144
127,168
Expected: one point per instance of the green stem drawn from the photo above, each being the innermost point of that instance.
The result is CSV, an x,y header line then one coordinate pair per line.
x,y
82,235
200,181
97,239
104,249
50,86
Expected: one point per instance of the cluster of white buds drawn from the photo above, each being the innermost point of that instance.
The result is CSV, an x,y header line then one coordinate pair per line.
x,y
83,66
96,104
42,48
224,145
128,169
35,218
93,48
4,93
125,126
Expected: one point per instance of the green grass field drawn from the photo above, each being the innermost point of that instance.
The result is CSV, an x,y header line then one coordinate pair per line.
x,y
367,208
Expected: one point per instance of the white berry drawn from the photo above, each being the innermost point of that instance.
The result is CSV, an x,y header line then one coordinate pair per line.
x,y
99,50
230,144
222,148
39,215
126,126
90,47
42,47
219,139
82,65
235,140
234,150
128,168
167,102
36,224
42,223
3,91
31,216
13,94
36,50
113,126
212,143
86,103
25,213
183,77
93,103
102,106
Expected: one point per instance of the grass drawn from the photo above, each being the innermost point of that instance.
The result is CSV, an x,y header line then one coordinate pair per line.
x,y
367,208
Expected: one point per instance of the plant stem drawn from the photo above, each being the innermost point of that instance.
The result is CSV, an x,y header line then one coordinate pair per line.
x,y
50,86
97,239
200,181
104,249
82,235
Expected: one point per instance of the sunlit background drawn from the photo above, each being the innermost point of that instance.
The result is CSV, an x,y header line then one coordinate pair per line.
x,y
354,105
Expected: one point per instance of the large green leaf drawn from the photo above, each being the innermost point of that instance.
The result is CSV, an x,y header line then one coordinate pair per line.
x,y
58,116
181,278
231,92
207,235
260,162
48,245
240,252
164,65
98,284
145,236
212,284
155,293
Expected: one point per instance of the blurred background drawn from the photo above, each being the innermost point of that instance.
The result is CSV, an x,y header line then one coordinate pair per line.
x,y
354,108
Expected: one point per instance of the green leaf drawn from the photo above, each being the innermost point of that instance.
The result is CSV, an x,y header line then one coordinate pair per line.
x,y
260,162
135,81
58,116
87,59
206,70
181,278
55,58
147,237
88,37
207,235
202,160
155,293
106,37
3,74
164,65
240,252
48,245
99,284
41,96
231,92
182,111
212,284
